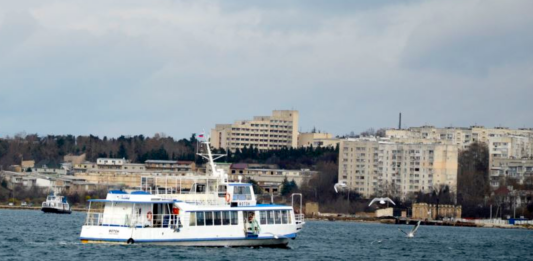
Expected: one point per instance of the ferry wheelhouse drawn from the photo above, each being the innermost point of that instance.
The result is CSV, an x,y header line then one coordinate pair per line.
x,y
199,211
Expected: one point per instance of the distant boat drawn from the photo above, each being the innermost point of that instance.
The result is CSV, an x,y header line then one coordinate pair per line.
x,y
56,204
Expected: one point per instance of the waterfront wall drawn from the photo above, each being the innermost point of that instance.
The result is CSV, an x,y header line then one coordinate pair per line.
x,y
429,211
386,212
311,209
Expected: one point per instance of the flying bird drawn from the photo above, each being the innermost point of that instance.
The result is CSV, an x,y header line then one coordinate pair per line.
x,y
340,184
378,241
381,201
412,233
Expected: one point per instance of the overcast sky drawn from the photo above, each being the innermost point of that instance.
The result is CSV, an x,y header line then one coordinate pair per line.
x,y
112,67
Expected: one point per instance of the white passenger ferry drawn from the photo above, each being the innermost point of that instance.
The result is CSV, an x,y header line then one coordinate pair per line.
x,y
207,211
56,204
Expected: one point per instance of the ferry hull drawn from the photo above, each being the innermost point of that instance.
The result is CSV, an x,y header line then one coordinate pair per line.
x,y
125,235
55,210
272,242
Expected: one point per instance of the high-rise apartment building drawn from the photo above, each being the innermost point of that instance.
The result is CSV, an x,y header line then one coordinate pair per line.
x,y
383,167
263,132
510,150
462,137
521,170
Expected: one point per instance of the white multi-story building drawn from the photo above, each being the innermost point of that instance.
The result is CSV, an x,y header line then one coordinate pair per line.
x,y
384,167
510,147
507,147
462,137
517,169
317,139
263,132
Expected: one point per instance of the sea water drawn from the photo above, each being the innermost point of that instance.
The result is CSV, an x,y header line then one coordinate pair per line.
x,y
33,235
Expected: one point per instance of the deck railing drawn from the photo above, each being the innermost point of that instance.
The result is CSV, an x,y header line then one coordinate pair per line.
x,y
155,221
94,219
212,201
299,218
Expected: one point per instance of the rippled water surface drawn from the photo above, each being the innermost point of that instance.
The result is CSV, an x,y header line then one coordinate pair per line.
x,y
32,235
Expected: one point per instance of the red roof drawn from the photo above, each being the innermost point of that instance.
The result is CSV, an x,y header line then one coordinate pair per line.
x,y
239,166
502,191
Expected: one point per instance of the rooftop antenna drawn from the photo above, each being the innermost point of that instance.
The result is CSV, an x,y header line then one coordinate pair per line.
x,y
400,122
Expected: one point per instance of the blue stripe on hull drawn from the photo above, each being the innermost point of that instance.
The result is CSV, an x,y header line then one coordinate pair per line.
x,y
288,236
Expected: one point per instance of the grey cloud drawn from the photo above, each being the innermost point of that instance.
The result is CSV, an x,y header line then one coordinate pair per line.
x,y
129,67
15,29
473,39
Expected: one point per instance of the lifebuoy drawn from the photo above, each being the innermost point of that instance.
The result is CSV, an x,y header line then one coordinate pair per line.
x,y
228,199
176,211
149,215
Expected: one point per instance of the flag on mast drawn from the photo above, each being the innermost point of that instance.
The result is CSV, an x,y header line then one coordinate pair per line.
x,y
201,136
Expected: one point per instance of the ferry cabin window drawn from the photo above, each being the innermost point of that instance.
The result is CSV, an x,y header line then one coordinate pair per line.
x,y
200,219
222,191
275,217
270,218
218,218
192,219
242,193
234,217
263,217
209,218
200,188
226,218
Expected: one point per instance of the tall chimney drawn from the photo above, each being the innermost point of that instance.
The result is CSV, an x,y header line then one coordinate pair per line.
x,y
400,122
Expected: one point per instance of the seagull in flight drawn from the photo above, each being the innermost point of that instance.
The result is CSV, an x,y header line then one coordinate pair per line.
x,y
381,201
412,233
378,241
339,185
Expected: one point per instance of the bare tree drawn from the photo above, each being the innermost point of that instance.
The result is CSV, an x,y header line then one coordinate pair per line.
x,y
369,132
473,178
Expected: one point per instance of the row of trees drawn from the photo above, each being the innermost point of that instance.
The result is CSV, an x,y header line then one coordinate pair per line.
x,y
52,148
285,158
139,148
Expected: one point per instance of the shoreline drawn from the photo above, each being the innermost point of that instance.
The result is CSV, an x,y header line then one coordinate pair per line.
x,y
77,209
386,221
405,221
